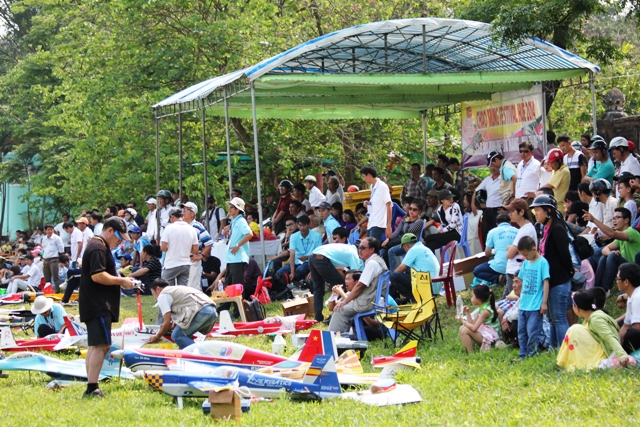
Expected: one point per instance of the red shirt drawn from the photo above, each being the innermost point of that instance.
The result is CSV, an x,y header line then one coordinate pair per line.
x,y
283,204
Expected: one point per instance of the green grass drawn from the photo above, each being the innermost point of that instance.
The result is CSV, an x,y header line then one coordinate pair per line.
x,y
480,389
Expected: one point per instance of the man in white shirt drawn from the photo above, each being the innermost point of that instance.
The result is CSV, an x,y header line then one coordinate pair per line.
x,y
75,241
576,162
30,276
165,200
595,207
60,231
52,247
152,221
619,149
528,172
628,281
83,226
180,242
217,218
339,190
378,206
315,195
491,185
96,223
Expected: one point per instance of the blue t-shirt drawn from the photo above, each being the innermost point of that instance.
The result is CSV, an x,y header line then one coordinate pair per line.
x,y
330,224
602,170
304,245
533,276
422,259
239,229
499,239
55,319
341,255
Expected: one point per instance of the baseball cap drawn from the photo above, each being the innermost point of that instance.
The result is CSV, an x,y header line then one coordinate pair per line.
x,y
310,178
175,211
517,204
408,238
433,193
135,229
151,201
191,206
83,220
238,203
324,205
625,176
492,155
118,224
126,256
445,194
330,173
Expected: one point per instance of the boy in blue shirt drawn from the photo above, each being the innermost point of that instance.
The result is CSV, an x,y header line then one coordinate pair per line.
x,y
499,238
533,297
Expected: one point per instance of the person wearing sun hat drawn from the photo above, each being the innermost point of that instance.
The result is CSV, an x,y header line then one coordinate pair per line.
x,y
237,255
49,316
561,178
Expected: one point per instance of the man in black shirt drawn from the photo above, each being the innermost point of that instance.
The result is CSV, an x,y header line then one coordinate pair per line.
x,y
100,296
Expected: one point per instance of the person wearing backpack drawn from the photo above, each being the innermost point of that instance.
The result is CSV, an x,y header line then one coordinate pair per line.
x,y
217,218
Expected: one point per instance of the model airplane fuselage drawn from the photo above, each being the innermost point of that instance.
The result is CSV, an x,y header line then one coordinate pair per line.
x,y
270,325
8,343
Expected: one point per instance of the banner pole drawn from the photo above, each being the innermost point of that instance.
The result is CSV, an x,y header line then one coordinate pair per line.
x,y
593,102
544,122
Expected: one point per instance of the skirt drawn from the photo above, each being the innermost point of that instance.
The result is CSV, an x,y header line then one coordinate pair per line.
x,y
580,350
489,336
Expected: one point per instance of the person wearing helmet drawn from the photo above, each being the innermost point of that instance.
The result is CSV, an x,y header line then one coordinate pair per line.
x,y
601,190
315,195
560,179
619,149
554,247
165,203
415,186
602,166
576,162
282,208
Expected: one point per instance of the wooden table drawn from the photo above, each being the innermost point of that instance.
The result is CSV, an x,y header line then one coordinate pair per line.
x,y
237,300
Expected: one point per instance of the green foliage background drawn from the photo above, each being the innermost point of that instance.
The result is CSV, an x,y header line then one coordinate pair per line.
x,y
77,79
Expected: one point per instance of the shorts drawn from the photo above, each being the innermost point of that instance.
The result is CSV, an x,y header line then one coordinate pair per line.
x,y
99,331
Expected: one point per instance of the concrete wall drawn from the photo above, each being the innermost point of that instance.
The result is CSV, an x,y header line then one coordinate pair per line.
x,y
627,127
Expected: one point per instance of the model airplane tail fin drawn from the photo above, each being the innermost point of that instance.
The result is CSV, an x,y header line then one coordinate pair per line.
x,y
408,350
7,339
322,373
74,328
226,324
318,343
349,362
140,322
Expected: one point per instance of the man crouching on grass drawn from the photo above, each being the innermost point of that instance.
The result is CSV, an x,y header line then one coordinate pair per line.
x,y
99,299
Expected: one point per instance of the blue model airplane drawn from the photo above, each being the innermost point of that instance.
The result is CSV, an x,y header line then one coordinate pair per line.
x,y
320,381
60,369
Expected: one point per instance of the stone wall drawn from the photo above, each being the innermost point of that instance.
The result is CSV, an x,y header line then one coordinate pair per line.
x,y
627,127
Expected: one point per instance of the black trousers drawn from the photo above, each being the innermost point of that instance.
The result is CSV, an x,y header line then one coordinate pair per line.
x,y
631,340
489,216
436,241
322,270
73,282
44,330
233,276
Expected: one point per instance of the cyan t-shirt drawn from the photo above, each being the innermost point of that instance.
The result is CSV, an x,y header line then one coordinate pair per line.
x,y
304,245
499,239
602,170
422,259
330,224
341,255
55,319
239,229
533,274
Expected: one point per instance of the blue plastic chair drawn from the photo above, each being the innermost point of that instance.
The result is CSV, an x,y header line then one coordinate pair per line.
x,y
381,292
354,235
464,242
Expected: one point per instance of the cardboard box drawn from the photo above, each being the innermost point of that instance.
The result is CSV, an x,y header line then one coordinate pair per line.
x,y
299,306
466,265
225,405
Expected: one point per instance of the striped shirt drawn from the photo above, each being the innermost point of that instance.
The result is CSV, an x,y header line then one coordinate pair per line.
x,y
204,238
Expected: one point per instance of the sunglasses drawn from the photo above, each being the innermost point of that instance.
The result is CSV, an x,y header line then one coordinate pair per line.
x,y
414,209
362,247
524,151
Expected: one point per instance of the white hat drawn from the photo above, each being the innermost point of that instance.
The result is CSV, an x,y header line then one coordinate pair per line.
x,y
151,201
191,206
41,304
310,178
237,202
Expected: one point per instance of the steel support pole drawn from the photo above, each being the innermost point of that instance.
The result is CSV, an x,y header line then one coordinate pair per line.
x,y
423,113
544,122
226,129
424,49
592,80
157,123
256,153
180,155
204,172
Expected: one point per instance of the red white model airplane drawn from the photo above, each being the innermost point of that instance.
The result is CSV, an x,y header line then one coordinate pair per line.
x,y
406,357
9,343
270,325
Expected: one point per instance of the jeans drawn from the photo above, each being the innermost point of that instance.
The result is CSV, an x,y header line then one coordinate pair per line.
x,y
607,270
73,282
485,272
177,275
595,258
202,322
301,271
377,232
557,304
401,285
529,330
394,253
322,270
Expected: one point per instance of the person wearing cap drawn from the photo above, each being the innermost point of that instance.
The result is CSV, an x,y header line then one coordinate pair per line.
x,y
138,241
626,192
619,149
329,222
282,208
451,222
299,194
138,218
419,258
491,184
430,213
83,226
602,166
99,299
125,265
52,247
601,190
205,243
527,172
315,195
507,173
561,178
237,255
152,220
179,241
30,277
498,241
217,219
49,317
76,237
392,248
575,160
165,203
379,205
416,186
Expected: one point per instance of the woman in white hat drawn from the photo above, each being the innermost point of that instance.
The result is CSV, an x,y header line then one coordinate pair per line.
x,y
49,316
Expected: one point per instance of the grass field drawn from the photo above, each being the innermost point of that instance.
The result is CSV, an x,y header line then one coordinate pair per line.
x,y
481,389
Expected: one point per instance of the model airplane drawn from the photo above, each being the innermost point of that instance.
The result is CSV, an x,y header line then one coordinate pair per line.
x,y
60,369
320,382
9,343
406,357
270,325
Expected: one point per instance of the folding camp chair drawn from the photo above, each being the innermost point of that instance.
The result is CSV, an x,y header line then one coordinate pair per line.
x,y
419,321
381,294
449,251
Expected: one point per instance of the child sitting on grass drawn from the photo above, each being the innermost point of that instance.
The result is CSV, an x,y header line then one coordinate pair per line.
x,y
533,297
482,330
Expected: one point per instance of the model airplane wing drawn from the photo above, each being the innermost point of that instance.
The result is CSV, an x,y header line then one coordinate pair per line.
x,y
208,386
401,394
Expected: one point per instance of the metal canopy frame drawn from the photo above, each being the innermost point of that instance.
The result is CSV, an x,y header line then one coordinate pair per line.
x,y
420,46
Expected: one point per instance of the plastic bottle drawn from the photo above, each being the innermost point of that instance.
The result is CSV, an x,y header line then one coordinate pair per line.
x,y
220,286
459,306
278,345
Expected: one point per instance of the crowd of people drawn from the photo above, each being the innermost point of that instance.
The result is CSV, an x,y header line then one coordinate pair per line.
x,y
550,228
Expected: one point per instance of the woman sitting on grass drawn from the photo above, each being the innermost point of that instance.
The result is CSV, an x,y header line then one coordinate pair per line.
x,y
482,330
596,344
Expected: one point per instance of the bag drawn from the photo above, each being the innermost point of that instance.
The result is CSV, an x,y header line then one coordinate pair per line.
x,y
578,281
254,310
262,294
